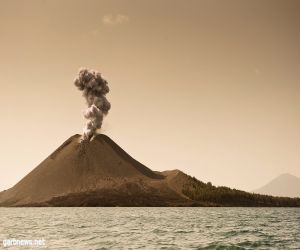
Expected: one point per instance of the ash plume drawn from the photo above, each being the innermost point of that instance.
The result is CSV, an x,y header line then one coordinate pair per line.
x,y
94,89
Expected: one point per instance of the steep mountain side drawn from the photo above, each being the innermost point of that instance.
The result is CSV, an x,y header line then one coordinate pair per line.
x,y
77,167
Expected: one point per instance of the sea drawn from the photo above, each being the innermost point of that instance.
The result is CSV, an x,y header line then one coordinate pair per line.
x,y
149,228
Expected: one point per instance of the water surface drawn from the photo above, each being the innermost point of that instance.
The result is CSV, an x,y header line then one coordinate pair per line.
x,y
153,228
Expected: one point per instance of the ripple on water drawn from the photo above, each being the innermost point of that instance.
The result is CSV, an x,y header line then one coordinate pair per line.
x,y
154,228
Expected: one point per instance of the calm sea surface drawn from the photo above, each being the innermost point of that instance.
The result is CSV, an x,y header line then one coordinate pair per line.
x,y
152,228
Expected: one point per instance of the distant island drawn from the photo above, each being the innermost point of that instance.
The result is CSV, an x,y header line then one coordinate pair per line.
x,y
283,185
100,173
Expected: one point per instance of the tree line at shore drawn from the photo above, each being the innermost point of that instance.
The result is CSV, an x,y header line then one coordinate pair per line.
x,y
223,196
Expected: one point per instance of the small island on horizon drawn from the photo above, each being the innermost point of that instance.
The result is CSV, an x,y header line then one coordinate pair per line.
x,y
100,173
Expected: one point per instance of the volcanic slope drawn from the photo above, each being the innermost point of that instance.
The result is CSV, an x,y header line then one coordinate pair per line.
x,y
99,166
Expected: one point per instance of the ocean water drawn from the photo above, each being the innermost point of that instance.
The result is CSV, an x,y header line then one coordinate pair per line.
x,y
150,228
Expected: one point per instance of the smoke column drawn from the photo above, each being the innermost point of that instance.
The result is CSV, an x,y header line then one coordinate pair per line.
x,y
94,89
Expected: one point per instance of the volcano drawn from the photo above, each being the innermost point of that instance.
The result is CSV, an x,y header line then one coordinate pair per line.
x,y
100,173
283,185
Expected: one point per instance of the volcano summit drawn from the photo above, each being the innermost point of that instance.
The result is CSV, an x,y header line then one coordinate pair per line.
x,y
100,173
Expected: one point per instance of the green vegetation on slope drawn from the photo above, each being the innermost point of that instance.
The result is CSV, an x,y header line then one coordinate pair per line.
x,y
224,196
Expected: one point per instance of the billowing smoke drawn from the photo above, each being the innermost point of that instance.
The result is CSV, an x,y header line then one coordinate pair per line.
x,y
94,89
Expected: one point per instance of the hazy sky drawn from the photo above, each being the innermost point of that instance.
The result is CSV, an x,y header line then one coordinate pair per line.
x,y
208,87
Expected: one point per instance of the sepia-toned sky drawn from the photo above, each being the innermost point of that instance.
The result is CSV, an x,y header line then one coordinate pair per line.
x,y
208,87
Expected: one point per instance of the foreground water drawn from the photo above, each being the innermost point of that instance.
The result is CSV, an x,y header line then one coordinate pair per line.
x,y
152,228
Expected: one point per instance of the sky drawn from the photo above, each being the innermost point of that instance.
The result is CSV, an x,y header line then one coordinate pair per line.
x,y
208,87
